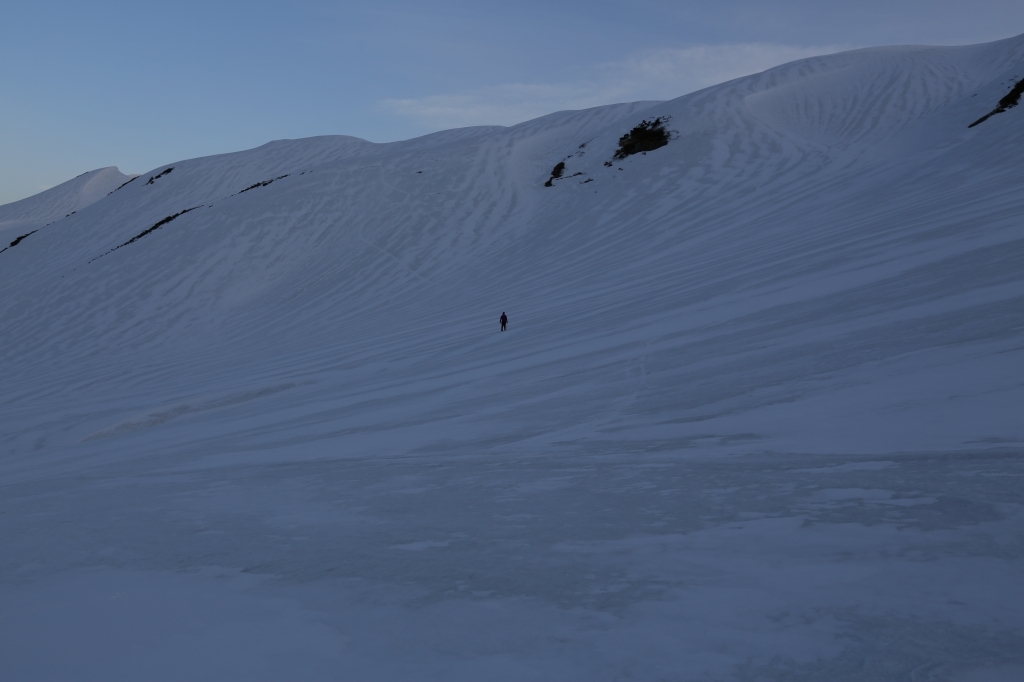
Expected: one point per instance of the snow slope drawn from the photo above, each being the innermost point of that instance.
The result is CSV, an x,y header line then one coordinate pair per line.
x,y
757,414
60,201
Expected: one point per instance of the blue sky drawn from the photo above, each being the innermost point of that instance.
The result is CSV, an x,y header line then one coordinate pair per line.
x,y
140,84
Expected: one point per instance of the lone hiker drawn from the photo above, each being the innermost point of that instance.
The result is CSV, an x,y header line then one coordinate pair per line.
x,y
504,321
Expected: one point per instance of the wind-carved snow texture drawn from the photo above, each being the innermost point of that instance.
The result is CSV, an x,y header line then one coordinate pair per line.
x,y
756,416
156,226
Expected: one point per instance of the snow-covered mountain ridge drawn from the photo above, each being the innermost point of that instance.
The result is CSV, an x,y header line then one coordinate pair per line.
x,y
816,286
60,201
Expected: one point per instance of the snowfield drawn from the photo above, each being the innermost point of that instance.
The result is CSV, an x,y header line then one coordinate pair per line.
x,y
758,415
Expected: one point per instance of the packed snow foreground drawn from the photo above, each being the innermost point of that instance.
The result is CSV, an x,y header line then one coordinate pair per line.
x,y
757,415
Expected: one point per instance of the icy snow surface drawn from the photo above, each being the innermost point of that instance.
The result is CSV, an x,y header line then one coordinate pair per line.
x,y
757,415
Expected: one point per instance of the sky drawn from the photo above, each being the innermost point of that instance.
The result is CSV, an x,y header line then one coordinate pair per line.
x,y
138,85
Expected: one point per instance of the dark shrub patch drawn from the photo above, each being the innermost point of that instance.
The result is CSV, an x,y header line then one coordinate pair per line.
x,y
125,183
556,173
18,240
155,177
157,226
645,137
1011,100
262,184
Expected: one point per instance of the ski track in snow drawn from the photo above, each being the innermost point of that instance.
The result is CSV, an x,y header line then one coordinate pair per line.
x,y
757,414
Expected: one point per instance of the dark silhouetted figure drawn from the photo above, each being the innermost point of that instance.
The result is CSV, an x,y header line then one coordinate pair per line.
x,y
504,321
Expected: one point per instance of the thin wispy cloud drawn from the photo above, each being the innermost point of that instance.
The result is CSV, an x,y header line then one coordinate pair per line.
x,y
650,75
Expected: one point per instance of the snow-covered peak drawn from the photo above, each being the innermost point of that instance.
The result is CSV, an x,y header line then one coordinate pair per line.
x,y
62,200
